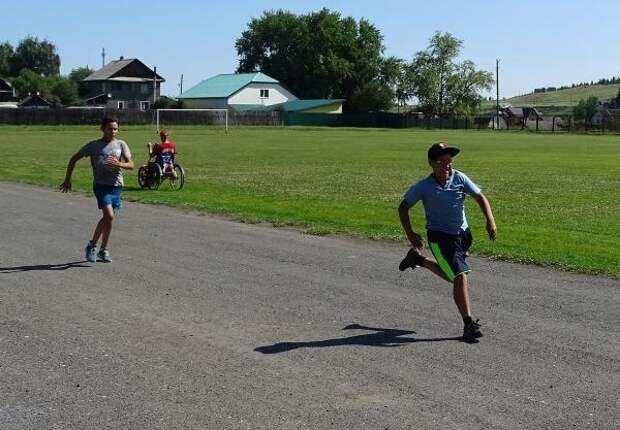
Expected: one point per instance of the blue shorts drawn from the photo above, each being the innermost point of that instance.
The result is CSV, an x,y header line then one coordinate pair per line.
x,y
450,251
108,195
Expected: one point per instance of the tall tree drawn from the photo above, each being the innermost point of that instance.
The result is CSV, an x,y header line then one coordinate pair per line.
x,y
464,87
79,73
38,56
443,86
586,109
397,75
56,89
317,55
6,55
65,89
77,76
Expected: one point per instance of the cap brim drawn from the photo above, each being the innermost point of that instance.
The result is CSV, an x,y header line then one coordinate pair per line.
x,y
449,150
452,151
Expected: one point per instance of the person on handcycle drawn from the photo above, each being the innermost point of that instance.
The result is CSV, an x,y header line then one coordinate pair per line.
x,y
163,153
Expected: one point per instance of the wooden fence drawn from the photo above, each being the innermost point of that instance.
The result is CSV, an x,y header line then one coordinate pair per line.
x,y
130,116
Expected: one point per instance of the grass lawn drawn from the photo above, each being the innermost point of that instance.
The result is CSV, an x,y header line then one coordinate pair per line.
x,y
556,198
566,97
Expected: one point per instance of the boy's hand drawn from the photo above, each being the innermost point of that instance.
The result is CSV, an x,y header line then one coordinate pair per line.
x,y
112,161
492,230
65,187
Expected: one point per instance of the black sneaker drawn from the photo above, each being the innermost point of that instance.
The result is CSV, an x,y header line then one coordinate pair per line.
x,y
471,332
412,259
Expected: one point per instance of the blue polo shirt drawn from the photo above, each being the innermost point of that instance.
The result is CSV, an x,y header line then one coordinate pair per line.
x,y
443,205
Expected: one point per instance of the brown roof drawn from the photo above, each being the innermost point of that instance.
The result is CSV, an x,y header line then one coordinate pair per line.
x,y
130,68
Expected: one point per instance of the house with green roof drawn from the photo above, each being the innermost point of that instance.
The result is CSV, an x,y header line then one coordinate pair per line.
x,y
251,92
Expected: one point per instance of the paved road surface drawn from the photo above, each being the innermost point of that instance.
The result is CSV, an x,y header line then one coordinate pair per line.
x,y
203,323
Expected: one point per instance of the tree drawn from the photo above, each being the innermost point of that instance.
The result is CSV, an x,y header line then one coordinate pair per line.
x,y
55,89
35,55
443,86
29,82
585,109
6,54
463,89
317,55
77,76
396,75
65,89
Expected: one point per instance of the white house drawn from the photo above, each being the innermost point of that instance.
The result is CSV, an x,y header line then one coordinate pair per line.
x,y
236,89
252,92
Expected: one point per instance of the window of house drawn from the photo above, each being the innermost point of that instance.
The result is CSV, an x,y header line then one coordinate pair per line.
x,y
264,94
120,104
144,88
144,105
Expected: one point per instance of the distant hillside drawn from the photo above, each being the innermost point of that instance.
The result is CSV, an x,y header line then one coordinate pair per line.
x,y
561,98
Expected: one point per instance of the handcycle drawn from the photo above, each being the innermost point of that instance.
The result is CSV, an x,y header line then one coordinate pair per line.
x,y
161,168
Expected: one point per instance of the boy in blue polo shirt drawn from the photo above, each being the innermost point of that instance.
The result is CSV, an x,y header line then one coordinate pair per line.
x,y
109,156
442,194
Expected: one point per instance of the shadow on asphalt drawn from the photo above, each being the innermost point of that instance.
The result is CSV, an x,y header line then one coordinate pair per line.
x,y
384,337
62,266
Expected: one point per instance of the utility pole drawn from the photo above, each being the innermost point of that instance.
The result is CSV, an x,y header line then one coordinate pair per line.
x,y
154,84
497,91
181,85
102,57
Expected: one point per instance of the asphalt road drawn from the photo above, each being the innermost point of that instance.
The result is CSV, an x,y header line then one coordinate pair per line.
x,y
204,323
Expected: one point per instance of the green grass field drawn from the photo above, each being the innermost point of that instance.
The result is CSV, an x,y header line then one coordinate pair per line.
x,y
556,198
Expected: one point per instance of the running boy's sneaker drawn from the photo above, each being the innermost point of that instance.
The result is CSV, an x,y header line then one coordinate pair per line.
x,y
91,252
412,259
104,255
471,332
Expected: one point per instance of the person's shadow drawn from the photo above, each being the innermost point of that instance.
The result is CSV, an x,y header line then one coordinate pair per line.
x,y
62,266
383,337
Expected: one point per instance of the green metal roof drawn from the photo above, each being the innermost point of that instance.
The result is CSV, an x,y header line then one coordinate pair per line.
x,y
289,106
254,108
301,105
224,85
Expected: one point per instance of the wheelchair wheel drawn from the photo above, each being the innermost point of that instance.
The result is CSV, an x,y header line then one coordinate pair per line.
x,y
177,183
155,175
143,176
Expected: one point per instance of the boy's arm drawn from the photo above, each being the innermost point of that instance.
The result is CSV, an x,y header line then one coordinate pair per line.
x,y
127,165
125,161
485,207
403,213
115,162
66,185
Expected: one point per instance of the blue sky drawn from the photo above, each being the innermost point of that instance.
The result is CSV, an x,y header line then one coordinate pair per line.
x,y
539,43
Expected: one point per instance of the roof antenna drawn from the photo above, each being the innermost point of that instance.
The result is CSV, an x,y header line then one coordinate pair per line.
x,y
102,57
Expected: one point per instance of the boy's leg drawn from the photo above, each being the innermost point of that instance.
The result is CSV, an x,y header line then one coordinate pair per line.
x,y
461,295
434,267
105,225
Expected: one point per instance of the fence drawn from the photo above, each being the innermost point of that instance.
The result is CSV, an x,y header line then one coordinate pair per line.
x,y
556,123
373,119
130,116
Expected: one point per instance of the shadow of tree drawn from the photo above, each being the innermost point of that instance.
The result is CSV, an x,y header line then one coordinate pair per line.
x,y
383,337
